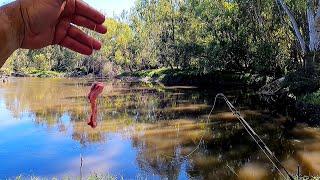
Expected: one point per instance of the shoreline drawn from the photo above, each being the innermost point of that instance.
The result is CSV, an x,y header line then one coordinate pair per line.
x,y
300,109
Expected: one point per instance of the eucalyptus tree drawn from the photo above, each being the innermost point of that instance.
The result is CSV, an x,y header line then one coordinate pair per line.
x,y
309,39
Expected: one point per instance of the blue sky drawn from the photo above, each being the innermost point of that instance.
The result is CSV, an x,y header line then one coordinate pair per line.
x,y
110,7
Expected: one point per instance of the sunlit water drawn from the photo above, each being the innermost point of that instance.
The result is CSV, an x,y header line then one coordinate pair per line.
x,y
144,132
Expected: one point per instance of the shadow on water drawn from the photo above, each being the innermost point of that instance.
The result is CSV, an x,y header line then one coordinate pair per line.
x,y
162,125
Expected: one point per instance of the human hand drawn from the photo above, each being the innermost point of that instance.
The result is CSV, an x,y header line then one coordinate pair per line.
x,y
50,22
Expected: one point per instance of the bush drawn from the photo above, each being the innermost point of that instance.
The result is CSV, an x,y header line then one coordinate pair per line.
x,y
313,98
43,74
301,83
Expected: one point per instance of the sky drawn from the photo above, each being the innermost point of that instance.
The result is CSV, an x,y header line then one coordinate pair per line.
x,y
111,7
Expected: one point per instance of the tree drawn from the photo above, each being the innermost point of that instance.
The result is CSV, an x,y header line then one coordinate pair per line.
x,y
241,36
313,19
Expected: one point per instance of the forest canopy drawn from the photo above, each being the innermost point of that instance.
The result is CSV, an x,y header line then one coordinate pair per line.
x,y
245,36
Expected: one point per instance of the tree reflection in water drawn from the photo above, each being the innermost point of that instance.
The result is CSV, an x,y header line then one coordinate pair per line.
x,y
164,124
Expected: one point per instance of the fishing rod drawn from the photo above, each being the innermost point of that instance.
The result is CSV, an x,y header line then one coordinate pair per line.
x,y
272,158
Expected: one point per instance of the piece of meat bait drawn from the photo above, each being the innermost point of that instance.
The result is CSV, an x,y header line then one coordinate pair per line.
x,y
95,91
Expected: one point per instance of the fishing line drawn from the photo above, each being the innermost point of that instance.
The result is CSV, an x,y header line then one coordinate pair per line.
x,y
272,158
84,121
94,74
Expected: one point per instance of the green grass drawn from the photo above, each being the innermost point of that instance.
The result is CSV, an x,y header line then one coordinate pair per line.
x,y
42,73
187,76
152,73
160,73
313,98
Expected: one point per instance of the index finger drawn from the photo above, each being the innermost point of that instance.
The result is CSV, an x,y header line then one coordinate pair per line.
x,y
85,10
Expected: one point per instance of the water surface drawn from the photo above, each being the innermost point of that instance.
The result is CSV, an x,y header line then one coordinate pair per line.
x,y
144,132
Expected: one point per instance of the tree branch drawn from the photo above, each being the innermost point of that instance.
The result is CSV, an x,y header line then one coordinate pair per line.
x,y
311,25
294,25
317,25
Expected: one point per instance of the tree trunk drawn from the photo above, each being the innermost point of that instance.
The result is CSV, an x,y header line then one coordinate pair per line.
x,y
311,25
294,26
309,63
313,18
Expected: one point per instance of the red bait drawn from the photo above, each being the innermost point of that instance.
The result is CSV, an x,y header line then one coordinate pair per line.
x,y
95,91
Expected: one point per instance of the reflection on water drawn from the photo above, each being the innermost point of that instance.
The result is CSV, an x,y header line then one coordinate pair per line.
x,y
144,131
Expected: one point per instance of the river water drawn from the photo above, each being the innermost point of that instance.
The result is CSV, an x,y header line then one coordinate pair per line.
x,y
144,131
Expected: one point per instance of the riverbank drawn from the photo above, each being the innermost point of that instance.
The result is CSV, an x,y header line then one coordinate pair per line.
x,y
165,76
303,107
214,79
35,73
47,74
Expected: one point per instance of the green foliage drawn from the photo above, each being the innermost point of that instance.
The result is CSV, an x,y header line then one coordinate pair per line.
x,y
313,98
41,62
152,73
42,73
241,36
300,82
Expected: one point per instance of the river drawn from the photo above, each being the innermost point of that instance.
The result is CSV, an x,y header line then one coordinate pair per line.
x,y
144,131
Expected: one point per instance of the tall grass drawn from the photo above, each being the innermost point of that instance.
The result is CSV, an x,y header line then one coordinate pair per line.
x,y
91,177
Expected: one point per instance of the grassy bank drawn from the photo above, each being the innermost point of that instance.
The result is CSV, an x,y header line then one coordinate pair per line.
x,y
169,76
42,73
33,73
